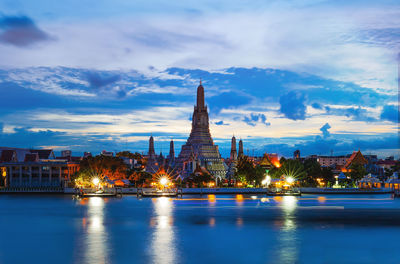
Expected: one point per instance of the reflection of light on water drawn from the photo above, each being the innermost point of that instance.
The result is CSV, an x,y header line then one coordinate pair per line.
x,y
288,243
239,199
239,221
163,248
211,199
289,204
96,237
211,222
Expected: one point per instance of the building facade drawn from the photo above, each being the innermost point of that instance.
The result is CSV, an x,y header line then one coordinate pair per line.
x,y
37,168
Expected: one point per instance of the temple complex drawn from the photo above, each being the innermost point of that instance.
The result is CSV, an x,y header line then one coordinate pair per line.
x,y
199,148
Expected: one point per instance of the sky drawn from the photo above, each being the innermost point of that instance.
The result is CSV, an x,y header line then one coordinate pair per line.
x,y
318,76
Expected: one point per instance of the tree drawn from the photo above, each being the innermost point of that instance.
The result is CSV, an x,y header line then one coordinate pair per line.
x,y
259,175
356,171
293,168
245,170
315,171
199,179
140,177
99,167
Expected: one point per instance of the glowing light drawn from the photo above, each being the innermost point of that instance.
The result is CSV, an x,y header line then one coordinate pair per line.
x,y
163,181
211,198
267,180
211,222
239,199
290,180
96,181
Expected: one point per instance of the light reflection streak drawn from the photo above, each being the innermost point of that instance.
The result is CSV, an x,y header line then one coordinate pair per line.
x,y
288,243
95,246
211,222
162,244
239,199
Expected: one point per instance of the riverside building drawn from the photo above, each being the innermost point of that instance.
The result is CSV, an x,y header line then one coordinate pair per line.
x,y
35,168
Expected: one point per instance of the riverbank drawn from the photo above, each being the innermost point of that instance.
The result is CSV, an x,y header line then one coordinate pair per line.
x,y
133,191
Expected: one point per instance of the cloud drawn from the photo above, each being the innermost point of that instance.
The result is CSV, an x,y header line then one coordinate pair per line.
x,y
221,123
339,145
317,106
20,31
325,130
292,105
355,113
390,113
255,118
96,80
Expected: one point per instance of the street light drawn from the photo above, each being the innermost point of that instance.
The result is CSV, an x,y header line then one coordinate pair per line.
x,y
163,181
290,180
266,181
96,181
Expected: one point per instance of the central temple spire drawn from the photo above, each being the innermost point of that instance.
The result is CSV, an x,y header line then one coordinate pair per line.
x,y
200,97
199,147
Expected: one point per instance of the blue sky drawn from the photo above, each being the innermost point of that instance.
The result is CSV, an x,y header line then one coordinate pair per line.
x,y
319,76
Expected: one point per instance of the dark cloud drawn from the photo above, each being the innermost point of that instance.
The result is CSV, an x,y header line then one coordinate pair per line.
x,y
322,146
355,113
221,123
390,113
20,31
254,118
227,100
317,106
97,80
325,130
24,138
293,105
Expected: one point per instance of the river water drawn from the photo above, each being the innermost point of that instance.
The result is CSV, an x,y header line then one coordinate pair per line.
x,y
200,229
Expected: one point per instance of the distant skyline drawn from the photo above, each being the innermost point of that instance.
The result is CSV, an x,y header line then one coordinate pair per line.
x,y
314,75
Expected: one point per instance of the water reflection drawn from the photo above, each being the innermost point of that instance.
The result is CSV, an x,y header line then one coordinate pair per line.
x,y
287,238
162,244
239,199
95,245
211,222
211,199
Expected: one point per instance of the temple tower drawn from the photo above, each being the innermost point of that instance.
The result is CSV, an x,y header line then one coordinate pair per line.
x,y
240,154
151,153
200,143
171,156
233,149
152,164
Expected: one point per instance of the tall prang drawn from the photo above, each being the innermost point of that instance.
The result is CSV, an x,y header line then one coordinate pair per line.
x,y
200,148
151,157
232,163
151,153
171,156
240,154
233,149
